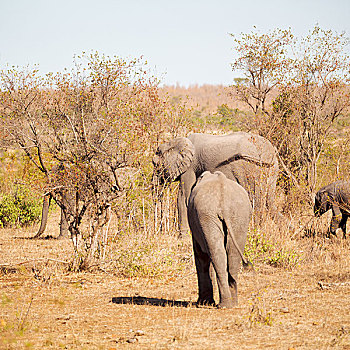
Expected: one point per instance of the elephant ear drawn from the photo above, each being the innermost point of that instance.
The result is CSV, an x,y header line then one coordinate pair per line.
x,y
324,198
327,196
177,156
320,196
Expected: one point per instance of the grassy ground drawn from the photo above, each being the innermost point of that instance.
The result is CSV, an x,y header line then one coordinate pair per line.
x,y
44,306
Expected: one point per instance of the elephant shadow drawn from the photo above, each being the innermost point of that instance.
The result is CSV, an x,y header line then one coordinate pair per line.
x,y
139,300
45,238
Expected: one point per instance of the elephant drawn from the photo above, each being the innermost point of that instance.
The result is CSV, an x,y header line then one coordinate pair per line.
x,y
219,212
246,158
123,180
335,196
44,215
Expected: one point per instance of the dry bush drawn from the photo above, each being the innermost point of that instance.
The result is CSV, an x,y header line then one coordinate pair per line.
x,y
272,243
212,107
311,76
79,128
205,98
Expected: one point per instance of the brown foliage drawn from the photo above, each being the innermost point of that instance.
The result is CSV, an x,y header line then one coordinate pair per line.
x,y
311,76
79,127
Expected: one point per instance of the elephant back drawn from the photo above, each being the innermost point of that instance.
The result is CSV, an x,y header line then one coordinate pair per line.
x,y
342,194
248,159
215,150
219,191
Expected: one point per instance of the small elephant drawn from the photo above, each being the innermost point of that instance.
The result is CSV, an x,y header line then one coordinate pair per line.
x,y
335,196
219,212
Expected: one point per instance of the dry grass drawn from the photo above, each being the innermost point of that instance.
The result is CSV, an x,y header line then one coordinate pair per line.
x,y
204,97
152,281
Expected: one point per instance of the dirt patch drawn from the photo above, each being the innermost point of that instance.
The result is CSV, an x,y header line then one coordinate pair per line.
x,y
45,307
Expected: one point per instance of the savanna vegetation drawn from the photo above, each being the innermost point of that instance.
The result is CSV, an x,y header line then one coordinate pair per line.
x,y
87,135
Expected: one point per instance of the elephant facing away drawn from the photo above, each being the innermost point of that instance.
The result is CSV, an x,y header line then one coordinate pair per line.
x,y
219,212
335,197
248,159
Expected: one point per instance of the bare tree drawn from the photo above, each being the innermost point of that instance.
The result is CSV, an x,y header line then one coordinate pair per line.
x,y
263,60
309,78
79,128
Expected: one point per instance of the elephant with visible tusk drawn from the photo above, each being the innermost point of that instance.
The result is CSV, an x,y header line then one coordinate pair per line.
x,y
44,216
219,212
122,180
67,200
248,159
335,197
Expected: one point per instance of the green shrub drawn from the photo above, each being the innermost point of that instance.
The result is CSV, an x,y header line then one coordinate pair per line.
x,y
259,248
19,208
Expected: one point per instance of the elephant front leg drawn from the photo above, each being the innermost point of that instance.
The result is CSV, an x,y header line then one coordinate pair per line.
x,y
205,285
182,213
187,181
335,222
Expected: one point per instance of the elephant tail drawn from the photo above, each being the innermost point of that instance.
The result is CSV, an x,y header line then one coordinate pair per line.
x,y
247,265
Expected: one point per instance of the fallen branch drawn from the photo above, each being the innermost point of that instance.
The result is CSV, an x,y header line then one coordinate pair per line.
x,y
33,260
322,285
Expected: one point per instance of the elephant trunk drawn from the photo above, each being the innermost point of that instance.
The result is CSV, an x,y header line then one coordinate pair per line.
x,y
44,215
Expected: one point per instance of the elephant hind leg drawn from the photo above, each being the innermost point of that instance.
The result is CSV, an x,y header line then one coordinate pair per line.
x,y
223,280
205,286
233,267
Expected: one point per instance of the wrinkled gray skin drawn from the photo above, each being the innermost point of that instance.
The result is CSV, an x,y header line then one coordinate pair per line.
x,y
249,159
124,178
219,212
335,197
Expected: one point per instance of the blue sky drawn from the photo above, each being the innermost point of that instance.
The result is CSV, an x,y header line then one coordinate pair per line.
x,y
184,41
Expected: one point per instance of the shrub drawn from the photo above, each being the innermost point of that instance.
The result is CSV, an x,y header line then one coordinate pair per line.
x,y
19,208
259,248
79,128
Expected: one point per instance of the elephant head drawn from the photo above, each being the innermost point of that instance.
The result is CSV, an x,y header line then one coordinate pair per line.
x,y
322,202
173,159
